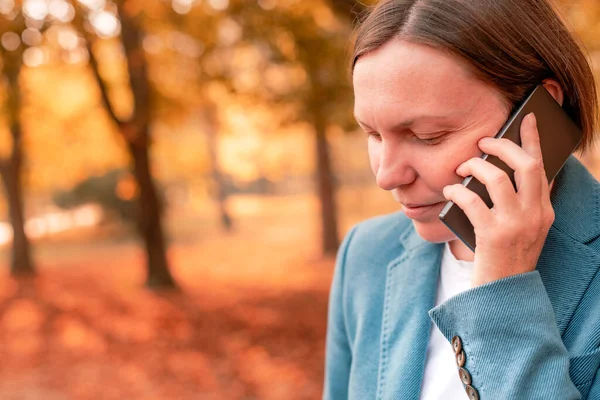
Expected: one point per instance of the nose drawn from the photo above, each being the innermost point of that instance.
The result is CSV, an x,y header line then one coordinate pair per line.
x,y
395,167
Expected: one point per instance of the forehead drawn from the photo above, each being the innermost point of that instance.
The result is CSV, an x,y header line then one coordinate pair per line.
x,y
410,79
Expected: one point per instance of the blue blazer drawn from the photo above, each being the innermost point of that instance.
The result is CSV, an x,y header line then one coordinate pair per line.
x,y
529,336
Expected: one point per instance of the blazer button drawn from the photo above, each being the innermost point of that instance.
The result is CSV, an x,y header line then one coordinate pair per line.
x,y
461,359
465,376
472,393
456,344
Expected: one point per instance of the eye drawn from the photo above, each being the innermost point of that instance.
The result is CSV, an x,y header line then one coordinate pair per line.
x,y
431,140
374,135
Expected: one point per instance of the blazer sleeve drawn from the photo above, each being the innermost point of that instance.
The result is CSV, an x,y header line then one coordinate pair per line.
x,y
511,342
338,356
594,392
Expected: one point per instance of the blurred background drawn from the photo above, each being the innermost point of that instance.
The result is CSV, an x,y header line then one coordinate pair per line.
x,y
177,176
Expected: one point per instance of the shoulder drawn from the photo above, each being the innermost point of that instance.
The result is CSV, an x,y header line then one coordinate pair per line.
x,y
361,268
377,235
576,202
369,247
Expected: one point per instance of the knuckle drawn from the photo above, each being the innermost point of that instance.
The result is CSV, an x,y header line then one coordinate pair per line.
x,y
534,165
498,178
550,217
472,199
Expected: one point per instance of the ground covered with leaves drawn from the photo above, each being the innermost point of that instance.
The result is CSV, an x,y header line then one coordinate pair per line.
x,y
248,323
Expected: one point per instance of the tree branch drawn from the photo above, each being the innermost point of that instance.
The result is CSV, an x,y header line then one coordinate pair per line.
x,y
137,67
78,22
102,86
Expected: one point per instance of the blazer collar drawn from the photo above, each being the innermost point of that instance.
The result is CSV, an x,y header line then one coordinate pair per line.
x,y
576,201
567,264
411,286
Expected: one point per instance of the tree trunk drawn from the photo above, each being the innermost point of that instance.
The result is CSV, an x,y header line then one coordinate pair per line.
x,y
212,129
149,216
324,174
21,263
10,169
136,132
329,220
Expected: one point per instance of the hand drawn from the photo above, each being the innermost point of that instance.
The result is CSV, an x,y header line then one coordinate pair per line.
x,y
509,236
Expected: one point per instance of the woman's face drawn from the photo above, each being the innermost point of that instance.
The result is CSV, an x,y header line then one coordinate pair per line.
x,y
424,112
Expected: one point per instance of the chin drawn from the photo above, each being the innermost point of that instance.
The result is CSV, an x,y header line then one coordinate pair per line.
x,y
433,231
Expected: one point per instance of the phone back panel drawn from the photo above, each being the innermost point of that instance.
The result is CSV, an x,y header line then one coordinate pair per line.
x,y
559,137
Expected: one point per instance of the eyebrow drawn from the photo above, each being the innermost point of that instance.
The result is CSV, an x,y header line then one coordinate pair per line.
x,y
404,124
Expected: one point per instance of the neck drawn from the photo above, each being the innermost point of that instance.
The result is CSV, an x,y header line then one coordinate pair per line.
x,y
460,250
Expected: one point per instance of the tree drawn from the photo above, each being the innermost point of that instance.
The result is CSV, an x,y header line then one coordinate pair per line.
x,y
320,39
316,40
135,131
211,127
11,52
308,36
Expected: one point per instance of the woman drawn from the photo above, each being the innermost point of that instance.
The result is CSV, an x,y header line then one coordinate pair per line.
x,y
413,313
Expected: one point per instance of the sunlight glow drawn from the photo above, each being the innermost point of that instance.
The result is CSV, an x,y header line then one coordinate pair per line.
x,y
87,215
76,56
67,38
34,56
11,41
6,6
61,10
229,32
31,37
6,233
93,5
219,5
182,6
152,44
35,9
267,4
55,222
185,44
106,24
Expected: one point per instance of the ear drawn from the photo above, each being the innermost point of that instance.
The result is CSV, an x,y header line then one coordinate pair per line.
x,y
554,88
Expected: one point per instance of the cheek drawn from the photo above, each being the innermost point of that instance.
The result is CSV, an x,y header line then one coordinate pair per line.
x,y
374,150
438,165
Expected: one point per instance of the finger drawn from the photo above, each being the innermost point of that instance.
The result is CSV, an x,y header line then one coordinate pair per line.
x,y
528,170
530,137
473,206
498,184
530,141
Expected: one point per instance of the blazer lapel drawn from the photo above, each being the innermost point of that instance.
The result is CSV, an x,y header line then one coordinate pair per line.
x,y
567,264
411,287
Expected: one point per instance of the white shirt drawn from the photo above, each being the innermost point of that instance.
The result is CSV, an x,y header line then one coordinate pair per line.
x,y
441,380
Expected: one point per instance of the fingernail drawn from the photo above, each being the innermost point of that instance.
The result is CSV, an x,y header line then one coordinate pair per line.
x,y
531,120
485,140
447,191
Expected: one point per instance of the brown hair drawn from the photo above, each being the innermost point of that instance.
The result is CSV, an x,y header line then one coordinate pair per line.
x,y
511,44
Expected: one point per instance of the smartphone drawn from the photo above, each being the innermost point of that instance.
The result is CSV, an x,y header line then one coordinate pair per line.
x,y
559,137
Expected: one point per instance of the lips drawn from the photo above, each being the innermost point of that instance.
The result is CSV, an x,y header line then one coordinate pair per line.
x,y
417,211
411,205
415,205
